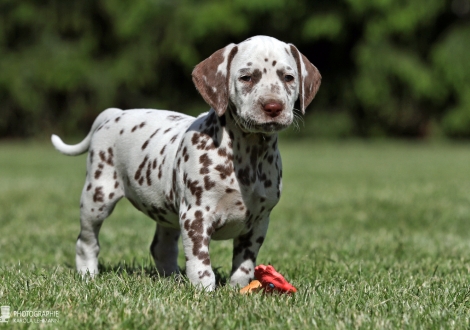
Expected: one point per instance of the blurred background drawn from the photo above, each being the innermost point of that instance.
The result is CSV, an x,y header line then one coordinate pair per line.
x,y
391,68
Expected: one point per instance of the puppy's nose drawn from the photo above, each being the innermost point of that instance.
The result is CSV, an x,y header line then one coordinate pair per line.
x,y
273,109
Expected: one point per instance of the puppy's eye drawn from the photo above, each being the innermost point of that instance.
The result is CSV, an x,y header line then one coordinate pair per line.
x,y
245,78
288,78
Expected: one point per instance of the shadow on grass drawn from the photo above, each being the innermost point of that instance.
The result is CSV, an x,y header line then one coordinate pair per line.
x,y
149,270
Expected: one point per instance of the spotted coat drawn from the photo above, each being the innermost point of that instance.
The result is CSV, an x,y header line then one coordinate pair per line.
x,y
214,177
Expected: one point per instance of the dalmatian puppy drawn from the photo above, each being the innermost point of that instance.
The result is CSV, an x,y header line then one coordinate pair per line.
x,y
214,177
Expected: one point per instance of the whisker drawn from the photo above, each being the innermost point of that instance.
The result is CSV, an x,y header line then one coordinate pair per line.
x,y
295,123
298,118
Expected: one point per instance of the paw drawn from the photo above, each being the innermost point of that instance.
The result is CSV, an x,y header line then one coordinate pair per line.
x,y
165,271
240,278
85,272
202,279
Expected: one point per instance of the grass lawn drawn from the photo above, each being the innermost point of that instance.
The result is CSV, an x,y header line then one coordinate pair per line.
x,y
373,235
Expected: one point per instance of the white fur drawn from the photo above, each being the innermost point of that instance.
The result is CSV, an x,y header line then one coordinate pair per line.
x,y
247,105
205,178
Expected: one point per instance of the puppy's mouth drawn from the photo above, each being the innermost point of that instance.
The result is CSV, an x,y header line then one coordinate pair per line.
x,y
253,126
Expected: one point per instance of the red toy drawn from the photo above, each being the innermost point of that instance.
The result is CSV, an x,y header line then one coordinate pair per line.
x,y
269,280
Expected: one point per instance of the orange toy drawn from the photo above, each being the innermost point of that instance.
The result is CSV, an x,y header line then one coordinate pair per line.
x,y
269,280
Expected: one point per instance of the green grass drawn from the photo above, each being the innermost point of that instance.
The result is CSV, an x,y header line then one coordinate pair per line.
x,y
373,235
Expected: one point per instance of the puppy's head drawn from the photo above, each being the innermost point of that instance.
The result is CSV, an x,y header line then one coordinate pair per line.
x,y
262,77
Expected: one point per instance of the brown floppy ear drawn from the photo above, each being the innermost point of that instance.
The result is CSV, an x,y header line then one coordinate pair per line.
x,y
309,78
211,78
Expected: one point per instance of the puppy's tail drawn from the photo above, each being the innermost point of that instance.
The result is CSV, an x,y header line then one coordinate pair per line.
x,y
80,148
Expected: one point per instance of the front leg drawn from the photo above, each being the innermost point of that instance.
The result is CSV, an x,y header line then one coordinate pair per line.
x,y
164,250
196,233
245,251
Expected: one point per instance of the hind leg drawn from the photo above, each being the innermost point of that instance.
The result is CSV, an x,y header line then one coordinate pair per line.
x,y
92,214
100,194
88,247
164,250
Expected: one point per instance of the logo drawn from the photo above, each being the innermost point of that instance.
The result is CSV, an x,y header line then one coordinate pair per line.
x,y
34,316
5,314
